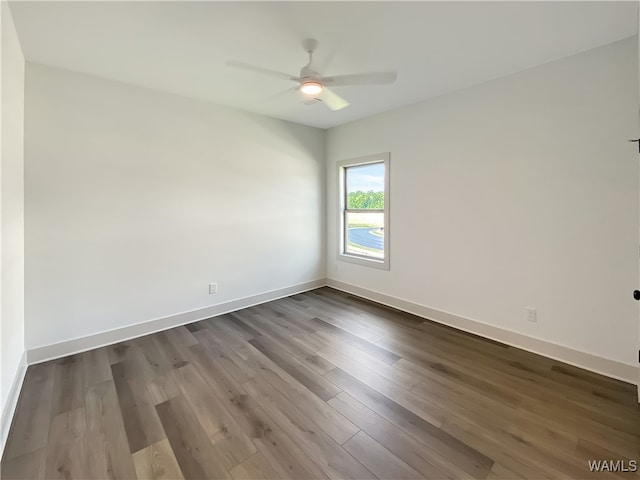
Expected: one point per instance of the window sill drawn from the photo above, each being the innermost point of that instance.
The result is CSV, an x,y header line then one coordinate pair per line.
x,y
367,262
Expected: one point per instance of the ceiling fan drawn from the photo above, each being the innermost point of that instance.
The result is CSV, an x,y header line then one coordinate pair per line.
x,y
315,86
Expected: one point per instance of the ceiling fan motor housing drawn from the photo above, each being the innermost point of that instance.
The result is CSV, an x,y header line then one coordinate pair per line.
x,y
308,75
310,81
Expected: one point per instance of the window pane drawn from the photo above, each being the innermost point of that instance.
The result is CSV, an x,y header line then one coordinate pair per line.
x,y
365,234
365,186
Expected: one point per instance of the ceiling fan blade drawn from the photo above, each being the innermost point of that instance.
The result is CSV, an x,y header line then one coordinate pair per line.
x,y
376,78
280,94
312,101
332,100
264,71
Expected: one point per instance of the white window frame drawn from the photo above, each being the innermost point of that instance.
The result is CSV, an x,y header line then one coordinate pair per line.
x,y
342,204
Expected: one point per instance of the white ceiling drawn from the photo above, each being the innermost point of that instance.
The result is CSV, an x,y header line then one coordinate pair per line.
x,y
436,47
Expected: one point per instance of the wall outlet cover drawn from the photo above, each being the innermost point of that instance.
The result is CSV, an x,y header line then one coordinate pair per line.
x,y
531,314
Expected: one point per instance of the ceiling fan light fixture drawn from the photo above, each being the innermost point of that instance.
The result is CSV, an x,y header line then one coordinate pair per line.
x,y
311,88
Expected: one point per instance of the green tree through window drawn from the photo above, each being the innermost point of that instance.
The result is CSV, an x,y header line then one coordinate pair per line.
x,y
365,200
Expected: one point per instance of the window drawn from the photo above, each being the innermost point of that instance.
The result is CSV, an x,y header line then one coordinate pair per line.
x,y
364,213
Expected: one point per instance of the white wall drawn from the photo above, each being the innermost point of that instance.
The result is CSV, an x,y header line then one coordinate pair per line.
x,y
136,200
12,344
522,191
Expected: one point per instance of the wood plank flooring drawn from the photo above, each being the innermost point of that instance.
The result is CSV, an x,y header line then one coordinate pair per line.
x,y
319,385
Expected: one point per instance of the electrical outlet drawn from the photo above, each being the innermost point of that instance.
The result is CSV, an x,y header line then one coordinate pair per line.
x,y
531,314
213,288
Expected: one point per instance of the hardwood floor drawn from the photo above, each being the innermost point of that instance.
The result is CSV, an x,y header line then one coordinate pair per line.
x,y
319,385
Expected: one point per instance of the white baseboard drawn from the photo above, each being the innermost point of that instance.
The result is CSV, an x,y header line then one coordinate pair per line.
x,y
78,345
588,361
9,407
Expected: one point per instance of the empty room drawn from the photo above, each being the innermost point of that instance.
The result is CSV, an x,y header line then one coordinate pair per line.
x,y
319,240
